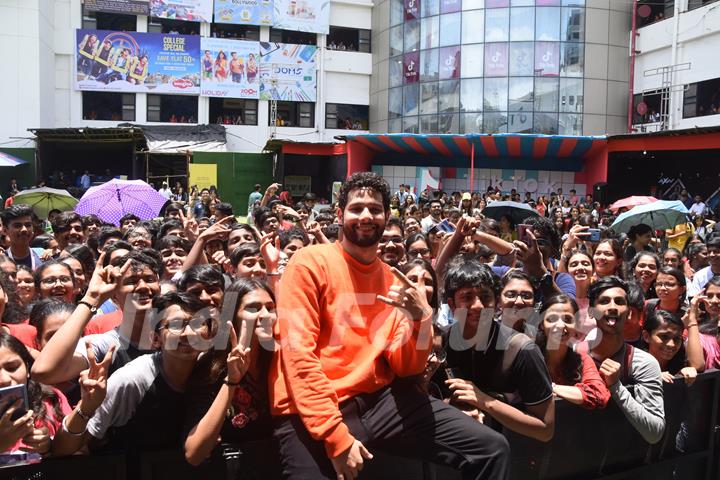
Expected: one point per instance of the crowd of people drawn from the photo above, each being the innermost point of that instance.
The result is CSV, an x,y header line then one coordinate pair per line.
x,y
407,323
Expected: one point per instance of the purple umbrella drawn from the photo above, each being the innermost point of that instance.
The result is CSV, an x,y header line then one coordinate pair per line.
x,y
113,199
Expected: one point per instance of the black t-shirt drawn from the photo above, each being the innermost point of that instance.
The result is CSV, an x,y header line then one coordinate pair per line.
x,y
528,381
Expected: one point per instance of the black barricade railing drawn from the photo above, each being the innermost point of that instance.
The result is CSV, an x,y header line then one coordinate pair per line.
x,y
598,445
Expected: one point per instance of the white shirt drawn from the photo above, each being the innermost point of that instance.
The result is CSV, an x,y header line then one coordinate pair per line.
x,y
700,280
165,192
697,208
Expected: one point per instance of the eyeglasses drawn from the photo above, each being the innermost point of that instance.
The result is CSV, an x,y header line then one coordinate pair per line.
x,y
179,252
665,285
49,281
392,239
177,326
421,252
512,295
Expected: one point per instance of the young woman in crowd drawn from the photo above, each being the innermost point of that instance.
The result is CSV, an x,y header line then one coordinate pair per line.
x,y
507,229
608,258
670,287
640,236
672,257
575,376
55,279
517,301
25,287
644,269
579,265
705,310
416,246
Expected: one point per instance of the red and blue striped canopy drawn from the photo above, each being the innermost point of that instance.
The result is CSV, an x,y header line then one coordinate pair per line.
x,y
513,145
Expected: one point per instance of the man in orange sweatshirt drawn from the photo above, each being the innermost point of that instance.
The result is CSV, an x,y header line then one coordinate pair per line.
x,y
348,327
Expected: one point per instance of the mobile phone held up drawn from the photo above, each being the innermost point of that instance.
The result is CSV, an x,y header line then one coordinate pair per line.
x,y
522,230
446,226
10,395
594,235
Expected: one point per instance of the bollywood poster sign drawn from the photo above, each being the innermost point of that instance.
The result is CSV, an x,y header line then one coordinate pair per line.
x,y
188,10
229,68
137,62
244,12
287,72
302,15
128,7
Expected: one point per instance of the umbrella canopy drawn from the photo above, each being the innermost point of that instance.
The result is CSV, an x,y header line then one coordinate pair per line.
x,y
660,215
515,210
631,202
113,199
7,160
44,199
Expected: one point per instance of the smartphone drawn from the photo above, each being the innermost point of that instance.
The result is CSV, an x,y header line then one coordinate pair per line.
x,y
522,229
594,235
445,226
10,395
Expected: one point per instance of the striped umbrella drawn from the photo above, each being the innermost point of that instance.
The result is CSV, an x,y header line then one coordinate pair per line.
x,y
113,199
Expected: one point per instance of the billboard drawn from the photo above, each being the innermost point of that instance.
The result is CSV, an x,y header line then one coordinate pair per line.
x,y
302,15
137,62
547,59
229,68
287,72
190,10
129,7
244,12
496,59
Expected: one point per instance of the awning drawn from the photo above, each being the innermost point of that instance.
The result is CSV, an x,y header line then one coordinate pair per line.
x,y
183,138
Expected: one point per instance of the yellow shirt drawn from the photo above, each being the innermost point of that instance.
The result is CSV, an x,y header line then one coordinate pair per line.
x,y
679,241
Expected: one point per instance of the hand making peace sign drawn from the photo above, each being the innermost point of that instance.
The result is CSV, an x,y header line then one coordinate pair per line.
x,y
238,360
93,380
409,297
104,280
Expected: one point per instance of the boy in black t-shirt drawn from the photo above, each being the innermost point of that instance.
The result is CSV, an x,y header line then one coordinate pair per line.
x,y
496,367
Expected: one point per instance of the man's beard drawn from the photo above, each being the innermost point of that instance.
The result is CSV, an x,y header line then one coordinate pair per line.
x,y
351,235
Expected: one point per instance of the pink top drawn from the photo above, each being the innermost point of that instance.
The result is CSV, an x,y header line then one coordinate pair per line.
x,y
51,421
711,349
594,391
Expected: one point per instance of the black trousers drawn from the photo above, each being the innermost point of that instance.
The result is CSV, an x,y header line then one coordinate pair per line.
x,y
400,420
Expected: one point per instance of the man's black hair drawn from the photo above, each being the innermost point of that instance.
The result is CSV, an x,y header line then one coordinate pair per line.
x,y
331,231
206,274
189,303
62,222
261,214
144,257
170,224
295,233
14,212
369,180
224,207
172,241
249,249
603,284
129,216
468,272
545,227
395,222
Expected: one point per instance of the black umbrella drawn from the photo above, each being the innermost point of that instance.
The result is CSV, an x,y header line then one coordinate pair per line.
x,y
514,210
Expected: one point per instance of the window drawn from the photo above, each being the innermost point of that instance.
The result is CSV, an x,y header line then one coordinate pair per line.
x,y
471,95
521,94
396,72
522,24
496,25
351,39
395,102
429,32
546,95
108,106
397,12
473,23
412,36
396,40
651,11
429,65
571,95
495,96
239,32
172,108
410,99
449,100
471,64
572,25
571,59
410,125
429,98
693,4
522,58
546,123
702,98
109,21
295,114
547,24
450,29
570,124
646,109
287,36
164,25
233,111
346,117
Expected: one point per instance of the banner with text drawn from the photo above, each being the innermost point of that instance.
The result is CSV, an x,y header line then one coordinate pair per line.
x,y
229,68
244,12
302,15
189,10
128,7
287,72
137,62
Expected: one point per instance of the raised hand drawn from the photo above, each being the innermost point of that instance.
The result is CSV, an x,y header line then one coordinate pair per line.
x,y
610,372
270,250
93,380
409,297
238,360
530,255
104,280
192,229
218,230
577,232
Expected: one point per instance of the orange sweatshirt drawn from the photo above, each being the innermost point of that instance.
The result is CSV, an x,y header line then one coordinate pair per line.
x,y
337,340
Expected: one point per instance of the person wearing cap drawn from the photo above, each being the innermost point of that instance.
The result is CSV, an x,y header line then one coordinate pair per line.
x,y
466,203
165,190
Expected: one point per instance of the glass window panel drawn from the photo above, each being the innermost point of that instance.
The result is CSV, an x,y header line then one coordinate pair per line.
x,y
449,123
522,3
395,125
397,12
450,29
547,23
449,96
522,24
429,98
520,122
410,125
412,35
547,59
412,9
571,95
396,72
473,4
496,3
471,95
429,32
472,26
496,59
396,40
472,60
572,25
546,123
428,124
496,25
570,124
521,58
495,122
521,94
471,122
429,7
450,6
573,3
572,59
395,102
428,65
495,95
410,99
546,94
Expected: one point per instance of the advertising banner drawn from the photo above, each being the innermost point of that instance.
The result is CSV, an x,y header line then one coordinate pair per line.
x,y
411,67
449,63
496,59
137,62
547,59
189,10
229,68
412,9
129,7
302,15
202,175
244,12
287,72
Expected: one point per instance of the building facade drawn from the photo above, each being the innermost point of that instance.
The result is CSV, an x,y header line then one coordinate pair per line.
x,y
500,66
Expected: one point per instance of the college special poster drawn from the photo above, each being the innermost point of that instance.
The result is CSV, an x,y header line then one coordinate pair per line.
x,y
302,15
137,62
244,12
229,68
190,10
128,7
287,72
